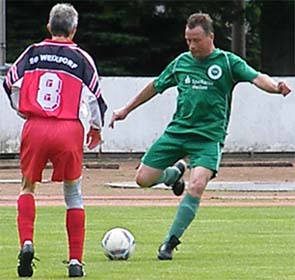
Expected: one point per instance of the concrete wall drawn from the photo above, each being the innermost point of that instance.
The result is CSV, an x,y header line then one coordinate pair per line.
x,y
259,122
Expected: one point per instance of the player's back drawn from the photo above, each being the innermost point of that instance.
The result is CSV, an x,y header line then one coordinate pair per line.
x,y
53,75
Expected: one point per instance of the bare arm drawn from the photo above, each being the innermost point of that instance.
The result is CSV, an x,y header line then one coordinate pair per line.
x,y
146,94
266,83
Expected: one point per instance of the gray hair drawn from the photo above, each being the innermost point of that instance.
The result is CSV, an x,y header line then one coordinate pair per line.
x,y
63,18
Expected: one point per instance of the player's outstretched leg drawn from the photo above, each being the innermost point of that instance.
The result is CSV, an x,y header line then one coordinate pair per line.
x,y
171,176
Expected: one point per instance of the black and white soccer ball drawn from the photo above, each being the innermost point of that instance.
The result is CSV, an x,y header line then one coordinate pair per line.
x,y
118,244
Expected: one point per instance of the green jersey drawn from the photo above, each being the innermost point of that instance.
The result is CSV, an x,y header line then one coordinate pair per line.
x,y
204,91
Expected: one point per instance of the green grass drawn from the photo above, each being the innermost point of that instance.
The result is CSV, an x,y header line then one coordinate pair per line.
x,y
221,244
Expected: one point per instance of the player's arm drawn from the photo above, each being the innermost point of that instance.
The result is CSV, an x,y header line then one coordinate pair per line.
x,y
13,94
96,104
266,83
14,100
96,107
14,77
145,95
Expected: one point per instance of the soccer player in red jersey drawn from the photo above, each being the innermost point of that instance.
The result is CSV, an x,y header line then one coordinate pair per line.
x,y
46,85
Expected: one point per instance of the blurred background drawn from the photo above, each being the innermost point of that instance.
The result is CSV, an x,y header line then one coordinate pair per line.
x,y
139,37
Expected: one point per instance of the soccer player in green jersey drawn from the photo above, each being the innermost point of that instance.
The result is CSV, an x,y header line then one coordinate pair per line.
x,y
205,77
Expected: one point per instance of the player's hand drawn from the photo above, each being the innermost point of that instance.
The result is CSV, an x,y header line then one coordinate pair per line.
x,y
118,115
93,138
283,88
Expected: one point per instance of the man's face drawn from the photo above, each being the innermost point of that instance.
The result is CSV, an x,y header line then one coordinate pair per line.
x,y
199,44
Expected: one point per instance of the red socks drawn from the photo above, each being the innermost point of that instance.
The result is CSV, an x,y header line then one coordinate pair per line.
x,y
75,222
26,217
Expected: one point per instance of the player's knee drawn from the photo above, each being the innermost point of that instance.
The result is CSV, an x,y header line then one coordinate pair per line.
x,y
196,187
142,181
139,181
73,194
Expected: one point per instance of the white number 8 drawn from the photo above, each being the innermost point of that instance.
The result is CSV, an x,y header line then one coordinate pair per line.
x,y
48,95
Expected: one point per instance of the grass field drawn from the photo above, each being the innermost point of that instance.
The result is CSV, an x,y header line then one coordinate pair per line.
x,y
221,244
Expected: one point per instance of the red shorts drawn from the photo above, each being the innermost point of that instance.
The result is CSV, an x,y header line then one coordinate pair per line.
x,y
58,141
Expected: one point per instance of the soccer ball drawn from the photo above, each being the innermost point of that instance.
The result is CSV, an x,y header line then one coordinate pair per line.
x,y
118,244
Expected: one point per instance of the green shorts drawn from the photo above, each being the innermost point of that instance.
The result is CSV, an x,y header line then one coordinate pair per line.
x,y
169,148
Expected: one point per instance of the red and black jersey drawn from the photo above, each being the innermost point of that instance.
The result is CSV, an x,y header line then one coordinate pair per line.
x,y
52,76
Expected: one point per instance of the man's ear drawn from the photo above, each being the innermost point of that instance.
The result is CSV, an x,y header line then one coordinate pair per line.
x,y
48,27
73,33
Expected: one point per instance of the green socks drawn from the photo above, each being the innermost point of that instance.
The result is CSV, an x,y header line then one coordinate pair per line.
x,y
185,214
187,208
169,176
